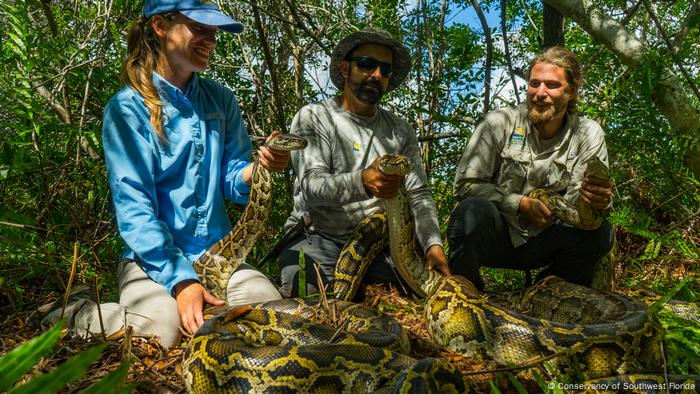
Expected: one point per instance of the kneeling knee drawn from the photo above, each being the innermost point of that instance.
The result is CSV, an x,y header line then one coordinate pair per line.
x,y
603,239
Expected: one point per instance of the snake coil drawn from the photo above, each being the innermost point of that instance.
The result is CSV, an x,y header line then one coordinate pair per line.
x,y
593,331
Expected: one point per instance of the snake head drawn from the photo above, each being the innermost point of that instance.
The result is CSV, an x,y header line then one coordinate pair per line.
x,y
391,164
287,142
595,167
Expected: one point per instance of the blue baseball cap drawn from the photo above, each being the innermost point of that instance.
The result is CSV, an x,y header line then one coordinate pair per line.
x,y
203,11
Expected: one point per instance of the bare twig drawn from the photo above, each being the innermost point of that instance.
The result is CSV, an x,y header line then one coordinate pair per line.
x,y
76,248
99,311
439,136
489,55
506,47
532,23
535,363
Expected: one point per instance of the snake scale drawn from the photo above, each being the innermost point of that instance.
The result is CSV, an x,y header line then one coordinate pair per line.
x,y
274,347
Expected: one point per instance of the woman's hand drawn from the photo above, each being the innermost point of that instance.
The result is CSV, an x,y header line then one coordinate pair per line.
x,y
272,159
191,297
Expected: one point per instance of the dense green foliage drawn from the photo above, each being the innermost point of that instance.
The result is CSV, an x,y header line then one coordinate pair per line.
x,y
61,62
22,359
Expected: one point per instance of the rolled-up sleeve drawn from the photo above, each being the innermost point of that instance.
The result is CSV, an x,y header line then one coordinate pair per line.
x,y
131,165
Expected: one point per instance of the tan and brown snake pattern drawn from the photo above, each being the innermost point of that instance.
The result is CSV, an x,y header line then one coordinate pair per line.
x,y
222,259
269,349
579,214
596,332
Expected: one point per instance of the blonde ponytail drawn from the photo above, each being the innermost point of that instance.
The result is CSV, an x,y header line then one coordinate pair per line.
x,y
143,48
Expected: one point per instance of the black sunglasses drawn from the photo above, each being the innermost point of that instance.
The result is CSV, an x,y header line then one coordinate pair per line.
x,y
369,64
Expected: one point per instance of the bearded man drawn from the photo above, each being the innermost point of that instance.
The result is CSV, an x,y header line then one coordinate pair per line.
x,y
338,182
543,143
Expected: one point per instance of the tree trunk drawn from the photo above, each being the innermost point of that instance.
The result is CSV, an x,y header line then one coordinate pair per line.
x,y
671,100
553,27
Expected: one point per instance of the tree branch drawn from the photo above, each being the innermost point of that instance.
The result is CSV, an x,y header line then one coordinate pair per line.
x,y
489,55
684,29
671,101
439,136
277,94
553,22
506,47
295,14
671,49
55,106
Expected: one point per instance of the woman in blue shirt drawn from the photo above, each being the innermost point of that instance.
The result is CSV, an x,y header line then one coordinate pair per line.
x,y
175,146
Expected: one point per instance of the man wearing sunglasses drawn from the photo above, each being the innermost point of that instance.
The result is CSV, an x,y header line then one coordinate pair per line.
x,y
338,182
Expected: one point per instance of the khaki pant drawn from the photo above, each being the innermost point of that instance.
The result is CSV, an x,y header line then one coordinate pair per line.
x,y
150,309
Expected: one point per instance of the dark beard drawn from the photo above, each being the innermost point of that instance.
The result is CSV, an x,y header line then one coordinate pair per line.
x,y
364,92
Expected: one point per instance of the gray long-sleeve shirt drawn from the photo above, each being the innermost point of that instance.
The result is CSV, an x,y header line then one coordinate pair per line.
x,y
505,160
328,186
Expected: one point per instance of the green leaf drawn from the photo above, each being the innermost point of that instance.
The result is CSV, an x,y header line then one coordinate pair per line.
x,y
547,387
23,358
656,307
516,383
111,382
74,368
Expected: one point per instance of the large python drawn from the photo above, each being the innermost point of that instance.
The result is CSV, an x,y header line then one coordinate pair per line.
x,y
273,347
585,331
257,351
269,349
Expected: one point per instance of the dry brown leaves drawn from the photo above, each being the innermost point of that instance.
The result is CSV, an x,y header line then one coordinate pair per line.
x,y
409,313
153,368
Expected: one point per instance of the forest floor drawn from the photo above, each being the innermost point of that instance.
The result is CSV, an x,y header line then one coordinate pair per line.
x,y
157,370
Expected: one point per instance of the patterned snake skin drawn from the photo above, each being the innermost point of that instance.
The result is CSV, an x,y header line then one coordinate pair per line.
x,y
580,214
596,332
275,347
215,267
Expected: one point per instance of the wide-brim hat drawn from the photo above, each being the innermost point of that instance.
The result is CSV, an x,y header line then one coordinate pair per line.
x,y
203,11
371,35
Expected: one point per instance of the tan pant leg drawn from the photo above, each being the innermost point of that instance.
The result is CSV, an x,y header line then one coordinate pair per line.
x,y
151,310
248,286
143,304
